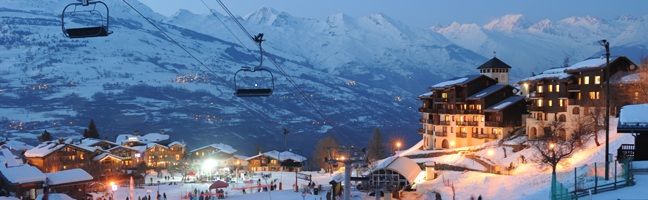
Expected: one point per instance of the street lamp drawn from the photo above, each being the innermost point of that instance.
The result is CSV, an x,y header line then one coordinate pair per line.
x,y
490,152
398,145
113,188
606,45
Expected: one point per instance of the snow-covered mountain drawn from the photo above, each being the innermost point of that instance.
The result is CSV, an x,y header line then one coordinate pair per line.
x,y
361,73
534,46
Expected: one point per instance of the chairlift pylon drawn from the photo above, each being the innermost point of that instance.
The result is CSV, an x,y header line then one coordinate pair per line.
x,y
256,90
101,29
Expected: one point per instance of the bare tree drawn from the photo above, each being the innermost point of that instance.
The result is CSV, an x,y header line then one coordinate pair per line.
x,y
322,149
593,122
554,147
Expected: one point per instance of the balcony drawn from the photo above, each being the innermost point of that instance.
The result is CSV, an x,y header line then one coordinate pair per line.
x,y
467,123
493,124
442,134
442,123
462,135
536,95
421,131
425,110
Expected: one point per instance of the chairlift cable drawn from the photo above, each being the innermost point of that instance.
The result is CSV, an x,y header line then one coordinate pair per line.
x,y
280,69
202,64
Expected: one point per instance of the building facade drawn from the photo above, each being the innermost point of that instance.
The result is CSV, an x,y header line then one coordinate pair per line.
x,y
471,110
562,99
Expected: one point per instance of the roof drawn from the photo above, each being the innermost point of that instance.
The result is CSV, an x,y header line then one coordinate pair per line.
x,y
281,156
402,165
104,155
494,63
22,174
553,73
68,176
56,196
220,147
426,95
176,143
9,158
44,149
505,103
633,117
455,81
17,145
488,91
148,138
587,64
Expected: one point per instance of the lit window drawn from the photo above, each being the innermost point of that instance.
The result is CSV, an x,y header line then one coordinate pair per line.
x,y
539,88
586,80
550,103
539,102
177,156
562,102
594,95
597,80
550,88
479,106
444,95
557,88
579,96
598,95
580,81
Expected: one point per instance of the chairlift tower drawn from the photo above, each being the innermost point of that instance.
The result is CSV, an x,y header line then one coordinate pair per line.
x,y
349,156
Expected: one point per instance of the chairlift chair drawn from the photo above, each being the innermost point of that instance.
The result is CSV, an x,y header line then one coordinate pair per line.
x,y
256,90
94,30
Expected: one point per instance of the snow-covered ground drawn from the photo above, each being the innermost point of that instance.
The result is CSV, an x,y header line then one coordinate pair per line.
x,y
287,178
530,180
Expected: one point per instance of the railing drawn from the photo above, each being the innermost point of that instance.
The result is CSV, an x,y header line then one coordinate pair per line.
x,y
462,134
496,124
442,134
443,123
467,123
421,131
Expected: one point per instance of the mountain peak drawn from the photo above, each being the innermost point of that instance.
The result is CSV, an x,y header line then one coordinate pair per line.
x,y
586,21
265,15
505,23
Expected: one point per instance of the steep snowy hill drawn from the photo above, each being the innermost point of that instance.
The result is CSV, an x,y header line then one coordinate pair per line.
x,y
361,73
513,38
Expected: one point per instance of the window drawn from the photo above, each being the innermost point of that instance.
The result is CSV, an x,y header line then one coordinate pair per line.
x,y
557,88
550,103
597,80
550,88
561,102
444,95
586,80
580,81
578,96
594,95
539,102
177,156
539,88
479,105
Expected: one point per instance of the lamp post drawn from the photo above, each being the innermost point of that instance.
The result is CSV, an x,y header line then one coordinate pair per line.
x,y
553,170
606,45
398,145
113,189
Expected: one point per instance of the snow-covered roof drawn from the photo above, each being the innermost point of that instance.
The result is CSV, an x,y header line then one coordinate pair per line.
x,y
148,138
455,81
402,165
589,63
9,158
22,174
505,103
68,176
91,142
554,73
634,116
488,91
44,149
55,196
176,143
104,155
17,145
426,95
241,157
220,147
627,79
281,156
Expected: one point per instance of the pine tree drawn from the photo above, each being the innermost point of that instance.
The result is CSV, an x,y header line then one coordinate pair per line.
x,y
376,148
91,131
45,136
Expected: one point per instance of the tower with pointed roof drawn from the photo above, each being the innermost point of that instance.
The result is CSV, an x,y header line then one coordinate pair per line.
x,y
496,69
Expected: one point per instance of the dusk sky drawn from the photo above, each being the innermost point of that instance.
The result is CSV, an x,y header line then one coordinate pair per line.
x,y
422,13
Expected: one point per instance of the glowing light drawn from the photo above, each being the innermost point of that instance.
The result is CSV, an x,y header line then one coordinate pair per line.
x,y
452,143
398,144
490,152
209,164
342,158
113,186
552,145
